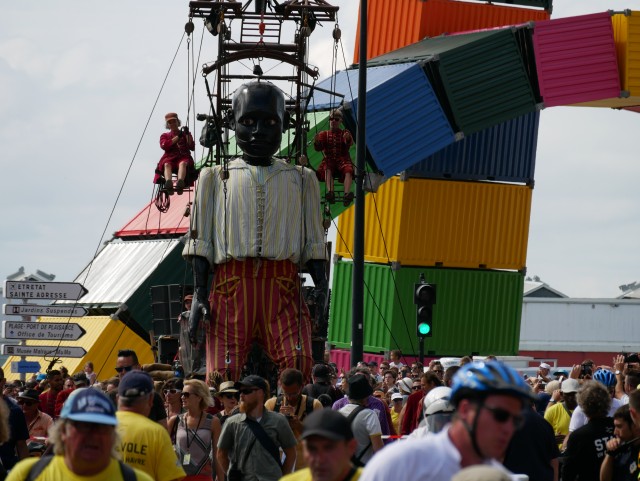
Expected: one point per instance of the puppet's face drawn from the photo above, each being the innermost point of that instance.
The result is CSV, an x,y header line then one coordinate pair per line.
x,y
259,116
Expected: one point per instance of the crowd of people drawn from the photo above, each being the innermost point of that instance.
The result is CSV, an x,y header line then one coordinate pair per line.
x,y
472,420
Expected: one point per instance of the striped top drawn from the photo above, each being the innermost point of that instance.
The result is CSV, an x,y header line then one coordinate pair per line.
x,y
271,212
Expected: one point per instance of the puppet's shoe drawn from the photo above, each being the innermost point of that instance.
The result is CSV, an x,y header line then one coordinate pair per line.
x,y
179,186
331,197
168,187
348,198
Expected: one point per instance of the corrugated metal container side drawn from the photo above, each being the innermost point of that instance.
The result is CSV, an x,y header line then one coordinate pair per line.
x,y
123,272
486,82
395,146
576,59
102,340
390,25
449,16
443,223
626,28
505,152
151,223
395,24
477,311
626,34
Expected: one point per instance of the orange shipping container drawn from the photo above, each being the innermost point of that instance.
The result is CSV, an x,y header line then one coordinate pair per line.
x,y
423,222
398,23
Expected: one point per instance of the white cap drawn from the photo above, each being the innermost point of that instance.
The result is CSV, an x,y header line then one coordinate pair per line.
x,y
544,365
396,395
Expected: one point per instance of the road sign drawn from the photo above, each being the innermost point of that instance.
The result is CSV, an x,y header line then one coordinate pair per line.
x,y
23,367
42,330
41,351
35,310
43,290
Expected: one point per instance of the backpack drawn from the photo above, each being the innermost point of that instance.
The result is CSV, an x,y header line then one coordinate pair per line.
x,y
357,460
128,474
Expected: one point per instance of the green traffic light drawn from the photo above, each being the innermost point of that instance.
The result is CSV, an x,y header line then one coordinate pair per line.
x,y
424,328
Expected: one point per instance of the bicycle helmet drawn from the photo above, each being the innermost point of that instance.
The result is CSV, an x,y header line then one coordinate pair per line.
x,y
437,409
606,377
483,378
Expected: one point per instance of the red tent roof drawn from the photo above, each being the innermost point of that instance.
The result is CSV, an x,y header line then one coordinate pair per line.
x,y
150,222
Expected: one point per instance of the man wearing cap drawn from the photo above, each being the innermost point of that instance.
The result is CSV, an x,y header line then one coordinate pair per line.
x,y
84,440
328,446
543,372
560,408
250,441
364,422
294,405
37,421
144,444
176,158
127,361
274,226
489,398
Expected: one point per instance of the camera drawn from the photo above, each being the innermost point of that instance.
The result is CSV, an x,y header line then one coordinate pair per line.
x,y
183,130
632,358
586,370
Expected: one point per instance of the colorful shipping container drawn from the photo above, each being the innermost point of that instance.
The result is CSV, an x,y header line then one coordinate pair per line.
x,y
481,78
505,152
477,311
395,24
423,222
626,34
576,59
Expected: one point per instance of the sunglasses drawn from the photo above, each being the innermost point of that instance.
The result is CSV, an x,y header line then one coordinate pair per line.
x,y
247,391
186,394
28,403
502,416
336,118
416,388
229,396
171,391
124,368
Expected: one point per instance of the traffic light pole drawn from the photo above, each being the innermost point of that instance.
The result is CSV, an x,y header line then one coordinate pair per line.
x,y
421,343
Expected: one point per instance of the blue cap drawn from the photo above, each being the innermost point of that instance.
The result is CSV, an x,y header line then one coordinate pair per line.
x,y
135,384
89,406
41,377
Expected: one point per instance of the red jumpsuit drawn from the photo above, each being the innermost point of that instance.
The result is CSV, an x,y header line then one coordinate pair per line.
x,y
174,153
335,145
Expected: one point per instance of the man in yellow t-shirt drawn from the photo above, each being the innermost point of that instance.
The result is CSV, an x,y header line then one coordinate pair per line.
x,y
84,440
558,413
144,444
328,446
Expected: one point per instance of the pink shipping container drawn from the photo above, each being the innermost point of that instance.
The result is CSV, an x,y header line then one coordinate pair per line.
x,y
576,59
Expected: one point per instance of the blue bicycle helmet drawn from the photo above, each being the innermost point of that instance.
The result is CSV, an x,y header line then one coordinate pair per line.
x,y
606,377
483,378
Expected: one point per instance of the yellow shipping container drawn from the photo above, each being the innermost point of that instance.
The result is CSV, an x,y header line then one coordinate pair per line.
x,y
626,34
422,222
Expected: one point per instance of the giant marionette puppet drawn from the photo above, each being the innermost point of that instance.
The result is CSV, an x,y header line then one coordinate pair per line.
x,y
254,230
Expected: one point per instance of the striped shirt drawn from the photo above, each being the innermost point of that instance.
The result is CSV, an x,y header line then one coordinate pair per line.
x,y
269,212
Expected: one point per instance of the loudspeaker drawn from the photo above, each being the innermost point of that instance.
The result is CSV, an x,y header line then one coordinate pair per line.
x,y
167,302
167,349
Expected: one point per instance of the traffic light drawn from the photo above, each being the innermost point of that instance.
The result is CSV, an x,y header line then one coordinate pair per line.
x,y
424,296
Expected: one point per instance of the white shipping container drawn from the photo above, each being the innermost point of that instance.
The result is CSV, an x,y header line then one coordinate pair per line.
x,y
596,325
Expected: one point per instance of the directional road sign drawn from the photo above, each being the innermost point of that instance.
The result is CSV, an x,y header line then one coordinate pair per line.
x,y
59,351
23,367
43,290
42,330
35,310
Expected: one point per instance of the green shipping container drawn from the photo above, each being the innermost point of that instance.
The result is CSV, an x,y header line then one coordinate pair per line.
x,y
477,311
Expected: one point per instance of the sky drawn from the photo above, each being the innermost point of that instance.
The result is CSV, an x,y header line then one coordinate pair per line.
x,y
82,95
